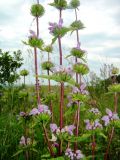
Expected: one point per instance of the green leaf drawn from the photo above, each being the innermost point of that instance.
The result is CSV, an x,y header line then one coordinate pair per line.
x,y
59,4
34,150
102,135
17,153
77,25
82,138
54,40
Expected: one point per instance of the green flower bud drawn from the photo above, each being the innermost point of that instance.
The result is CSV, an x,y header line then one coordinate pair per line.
x,y
37,10
75,4
114,88
59,4
47,65
77,25
80,97
77,52
43,117
81,68
24,72
35,42
48,49
115,70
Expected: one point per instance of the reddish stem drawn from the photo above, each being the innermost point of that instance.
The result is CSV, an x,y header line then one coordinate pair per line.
x,y
60,49
110,140
36,76
112,131
48,142
93,147
77,126
61,104
36,65
61,88
77,81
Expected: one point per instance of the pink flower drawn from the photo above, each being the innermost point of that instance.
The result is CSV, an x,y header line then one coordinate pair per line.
x,y
53,127
34,111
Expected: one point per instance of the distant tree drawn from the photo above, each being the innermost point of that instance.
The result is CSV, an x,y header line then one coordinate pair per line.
x,y
9,63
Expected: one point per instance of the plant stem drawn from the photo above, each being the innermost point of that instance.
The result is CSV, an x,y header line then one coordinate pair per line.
x,y
61,104
36,76
61,87
36,65
77,126
93,147
48,142
24,81
109,143
77,81
115,102
78,42
49,87
112,131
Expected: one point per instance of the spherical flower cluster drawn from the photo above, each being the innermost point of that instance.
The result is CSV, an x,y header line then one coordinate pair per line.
x,y
25,141
67,129
95,111
74,156
41,109
93,125
53,26
111,116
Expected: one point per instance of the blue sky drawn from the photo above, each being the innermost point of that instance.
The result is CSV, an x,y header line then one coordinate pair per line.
x,y
100,38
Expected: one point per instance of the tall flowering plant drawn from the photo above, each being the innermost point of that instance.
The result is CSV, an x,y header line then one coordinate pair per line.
x,y
65,140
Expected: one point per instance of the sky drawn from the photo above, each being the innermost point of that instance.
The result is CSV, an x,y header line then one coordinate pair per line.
x,y
100,38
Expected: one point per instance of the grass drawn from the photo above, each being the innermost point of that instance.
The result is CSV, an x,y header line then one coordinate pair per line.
x,y
11,103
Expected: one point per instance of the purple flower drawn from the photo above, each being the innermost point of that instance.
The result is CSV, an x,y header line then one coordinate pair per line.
x,y
106,120
24,141
97,124
41,109
93,125
83,90
70,129
34,111
73,156
52,27
109,112
22,114
88,124
79,155
53,127
75,90
109,117
94,110
32,34
60,23
69,71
